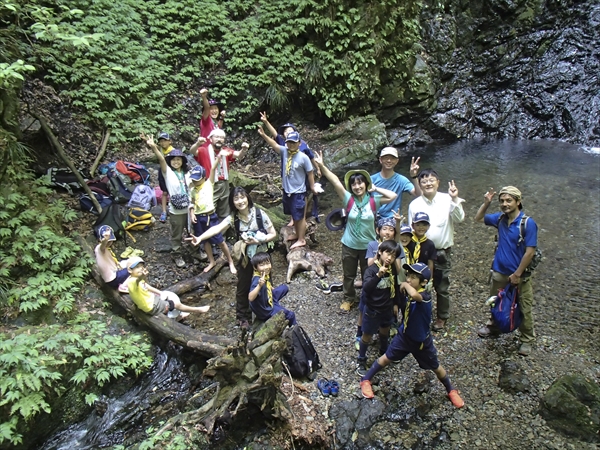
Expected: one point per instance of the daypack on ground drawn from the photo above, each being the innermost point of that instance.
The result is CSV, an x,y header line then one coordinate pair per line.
x,y
137,172
121,192
85,202
63,178
139,219
506,312
143,197
112,216
100,186
300,357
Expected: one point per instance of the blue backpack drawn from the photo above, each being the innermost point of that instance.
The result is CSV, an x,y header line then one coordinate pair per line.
x,y
505,310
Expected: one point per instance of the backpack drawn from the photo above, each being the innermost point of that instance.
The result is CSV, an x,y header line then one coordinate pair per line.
x,y
505,310
85,202
139,219
112,216
121,192
137,172
143,197
538,256
99,187
63,178
300,356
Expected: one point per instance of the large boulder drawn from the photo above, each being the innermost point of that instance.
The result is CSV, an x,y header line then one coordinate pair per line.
x,y
354,142
572,405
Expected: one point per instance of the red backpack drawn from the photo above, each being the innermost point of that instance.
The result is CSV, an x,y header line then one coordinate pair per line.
x,y
137,172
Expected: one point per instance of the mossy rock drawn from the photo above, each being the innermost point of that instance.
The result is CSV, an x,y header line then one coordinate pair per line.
x,y
239,179
572,405
354,142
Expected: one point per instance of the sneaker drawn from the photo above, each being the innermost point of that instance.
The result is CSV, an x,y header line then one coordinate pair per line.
x,y
323,287
438,325
336,287
455,398
488,331
362,368
525,349
366,389
346,305
163,217
357,343
179,262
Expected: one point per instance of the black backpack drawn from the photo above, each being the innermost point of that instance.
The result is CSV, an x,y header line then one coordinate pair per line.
x,y
121,193
112,216
300,357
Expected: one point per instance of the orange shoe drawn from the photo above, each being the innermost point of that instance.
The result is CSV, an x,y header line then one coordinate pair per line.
x,y
366,389
455,398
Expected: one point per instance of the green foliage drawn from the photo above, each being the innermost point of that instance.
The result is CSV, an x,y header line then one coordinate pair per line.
x,y
33,366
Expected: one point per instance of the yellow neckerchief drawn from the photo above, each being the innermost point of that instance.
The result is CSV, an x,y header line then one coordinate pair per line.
x,y
269,286
406,311
288,165
417,251
113,255
167,150
391,276
409,259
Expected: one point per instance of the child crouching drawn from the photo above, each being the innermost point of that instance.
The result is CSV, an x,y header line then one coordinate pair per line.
x,y
151,300
264,300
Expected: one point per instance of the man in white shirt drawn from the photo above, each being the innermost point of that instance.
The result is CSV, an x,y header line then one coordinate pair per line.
x,y
444,210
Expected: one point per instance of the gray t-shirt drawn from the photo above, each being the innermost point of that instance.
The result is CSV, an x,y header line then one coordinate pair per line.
x,y
295,182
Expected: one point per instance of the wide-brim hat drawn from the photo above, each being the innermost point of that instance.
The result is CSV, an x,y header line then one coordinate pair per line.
x,y
354,171
173,154
336,219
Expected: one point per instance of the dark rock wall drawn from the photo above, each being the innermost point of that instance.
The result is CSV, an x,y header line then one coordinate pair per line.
x,y
503,68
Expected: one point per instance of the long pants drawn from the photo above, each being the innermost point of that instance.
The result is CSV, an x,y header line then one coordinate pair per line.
x,y
278,293
221,198
525,303
242,304
441,284
351,259
178,222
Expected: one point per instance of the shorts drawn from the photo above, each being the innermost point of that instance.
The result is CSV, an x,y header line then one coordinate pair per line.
x,y
373,320
164,306
294,205
424,352
122,275
203,223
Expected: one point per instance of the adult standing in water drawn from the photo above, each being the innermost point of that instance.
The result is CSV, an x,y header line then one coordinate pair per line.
x,y
361,207
517,242
444,210
254,230
389,179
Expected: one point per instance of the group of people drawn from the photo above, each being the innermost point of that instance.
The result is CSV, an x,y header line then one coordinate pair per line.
x,y
401,264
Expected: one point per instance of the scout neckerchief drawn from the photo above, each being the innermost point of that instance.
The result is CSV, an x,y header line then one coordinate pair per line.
x,y
221,171
268,285
418,242
407,311
288,164
113,256
391,277
181,177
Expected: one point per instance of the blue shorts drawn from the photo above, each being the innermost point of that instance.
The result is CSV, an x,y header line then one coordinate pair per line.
x,y
373,320
294,204
424,352
122,275
203,223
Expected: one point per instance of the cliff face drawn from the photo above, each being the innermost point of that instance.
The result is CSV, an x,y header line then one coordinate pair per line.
x,y
503,68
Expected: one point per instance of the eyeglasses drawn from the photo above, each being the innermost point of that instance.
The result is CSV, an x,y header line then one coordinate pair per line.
x,y
428,180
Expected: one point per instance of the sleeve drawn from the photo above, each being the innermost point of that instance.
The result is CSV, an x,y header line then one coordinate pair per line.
x,y
407,186
492,220
280,139
371,279
308,167
304,148
254,283
377,201
531,230
267,223
347,196
372,249
411,207
457,213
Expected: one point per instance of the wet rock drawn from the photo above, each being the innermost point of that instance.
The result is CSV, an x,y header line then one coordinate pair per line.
x,y
572,405
354,415
239,179
512,378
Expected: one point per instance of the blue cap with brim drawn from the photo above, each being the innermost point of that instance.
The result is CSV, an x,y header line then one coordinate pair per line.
x,y
419,268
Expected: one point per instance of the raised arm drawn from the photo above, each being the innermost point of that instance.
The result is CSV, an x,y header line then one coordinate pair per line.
x,y
457,213
150,143
194,148
240,153
387,196
340,190
272,131
205,104
221,227
274,145
487,199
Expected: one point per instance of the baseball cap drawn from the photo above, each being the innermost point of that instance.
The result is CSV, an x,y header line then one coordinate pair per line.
x,y
405,229
197,173
421,217
294,136
134,261
164,135
419,268
103,229
281,129
389,151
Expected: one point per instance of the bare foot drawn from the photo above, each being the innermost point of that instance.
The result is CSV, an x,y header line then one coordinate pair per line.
x,y
183,315
297,244
232,268
203,309
210,266
291,224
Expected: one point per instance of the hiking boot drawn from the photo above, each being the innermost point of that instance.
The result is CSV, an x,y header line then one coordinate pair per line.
x,y
366,389
439,324
362,368
347,306
488,331
179,262
455,398
525,349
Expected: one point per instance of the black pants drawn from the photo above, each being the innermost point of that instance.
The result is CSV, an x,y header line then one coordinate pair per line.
x,y
242,304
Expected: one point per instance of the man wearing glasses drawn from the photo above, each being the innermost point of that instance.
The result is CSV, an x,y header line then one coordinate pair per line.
x,y
444,211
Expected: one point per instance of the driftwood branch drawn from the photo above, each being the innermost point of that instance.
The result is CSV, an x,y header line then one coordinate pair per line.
x,y
100,152
61,152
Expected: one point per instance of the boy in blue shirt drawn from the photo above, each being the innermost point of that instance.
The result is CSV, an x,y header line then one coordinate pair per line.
x,y
264,299
413,335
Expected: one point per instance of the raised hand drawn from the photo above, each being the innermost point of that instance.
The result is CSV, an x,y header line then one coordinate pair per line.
x,y
148,139
222,114
261,280
452,189
203,92
414,166
263,117
201,140
261,132
489,195
399,217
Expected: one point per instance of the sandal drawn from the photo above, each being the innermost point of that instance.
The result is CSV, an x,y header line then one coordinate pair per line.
x,y
163,217
127,252
324,386
335,387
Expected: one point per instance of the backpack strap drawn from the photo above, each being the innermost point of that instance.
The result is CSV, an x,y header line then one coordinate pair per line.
x,y
522,228
350,204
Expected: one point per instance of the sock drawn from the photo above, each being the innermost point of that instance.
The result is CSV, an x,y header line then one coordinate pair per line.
x,y
446,382
359,331
372,371
383,343
362,350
